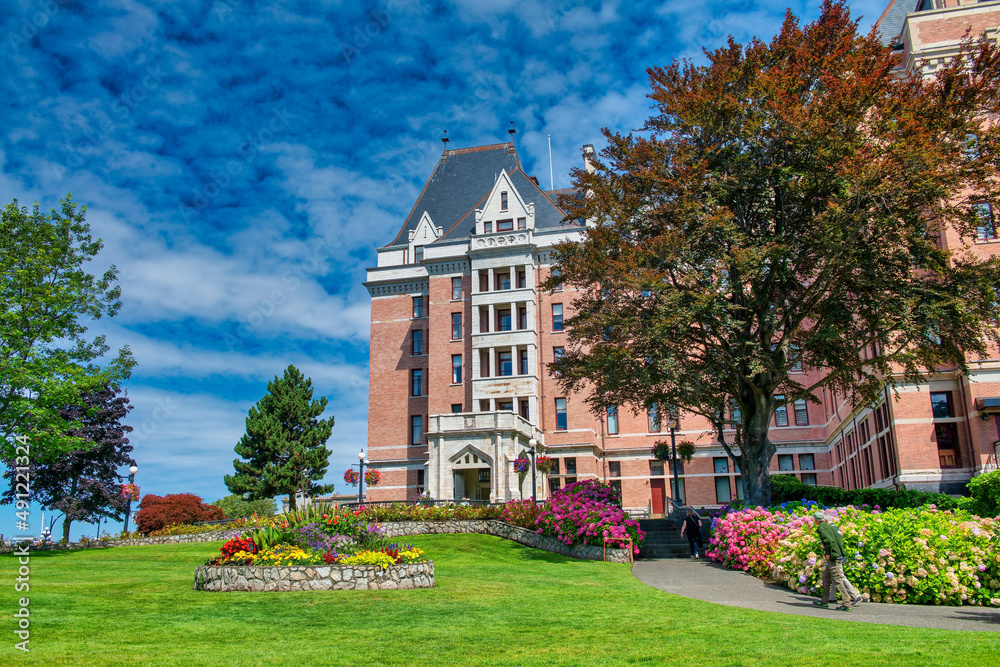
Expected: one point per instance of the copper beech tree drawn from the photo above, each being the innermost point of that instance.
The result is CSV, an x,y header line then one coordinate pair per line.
x,y
783,207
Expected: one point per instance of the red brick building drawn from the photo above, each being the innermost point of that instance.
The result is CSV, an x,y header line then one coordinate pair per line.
x,y
461,336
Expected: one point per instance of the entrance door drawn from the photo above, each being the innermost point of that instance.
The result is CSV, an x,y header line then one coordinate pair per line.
x,y
658,489
459,484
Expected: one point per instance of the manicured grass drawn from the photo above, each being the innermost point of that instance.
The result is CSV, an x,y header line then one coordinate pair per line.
x,y
495,603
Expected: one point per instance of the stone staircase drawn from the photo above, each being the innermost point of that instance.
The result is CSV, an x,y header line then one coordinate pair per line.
x,y
663,540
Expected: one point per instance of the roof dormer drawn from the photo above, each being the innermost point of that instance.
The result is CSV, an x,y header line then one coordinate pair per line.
x,y
504,209
423,234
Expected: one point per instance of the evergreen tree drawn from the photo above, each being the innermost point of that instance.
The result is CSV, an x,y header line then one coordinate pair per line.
x,y
284,449
84,484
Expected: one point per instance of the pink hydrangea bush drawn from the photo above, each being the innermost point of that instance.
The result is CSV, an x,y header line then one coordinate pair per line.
x,y
920,556
587,512
747,539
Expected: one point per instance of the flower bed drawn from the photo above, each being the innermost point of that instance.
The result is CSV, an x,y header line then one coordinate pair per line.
x,y
588,512
920,556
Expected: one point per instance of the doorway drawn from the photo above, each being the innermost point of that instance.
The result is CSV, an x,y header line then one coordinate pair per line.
x,y
472,484
658,490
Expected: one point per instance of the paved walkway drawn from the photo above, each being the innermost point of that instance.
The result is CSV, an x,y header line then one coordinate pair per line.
x,y
711,582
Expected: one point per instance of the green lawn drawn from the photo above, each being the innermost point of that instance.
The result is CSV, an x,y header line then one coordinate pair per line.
x,y
495,603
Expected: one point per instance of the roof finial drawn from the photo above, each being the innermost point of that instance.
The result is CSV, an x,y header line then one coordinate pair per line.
x,y
445,141
511,132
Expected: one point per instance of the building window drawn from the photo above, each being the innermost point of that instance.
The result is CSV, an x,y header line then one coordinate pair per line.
x,y
612,411
615,468
522,223
488,227
456,369
557,354
505,364
561,414
503,320
941,404
786,462
456,289
418,306
735,416
456,408
553,484
522,362
484,363
722,494
484,319
738,482
420,481
721,465
484,281
656,468
809,478
418,254
570,466
505,225
456,326
502,280
418,342
806,462
557,317
780,412
985,222
556,273
417,382
801,412
522,280
505,404
653,416
522,408
522,317
503,201
416,429
947,444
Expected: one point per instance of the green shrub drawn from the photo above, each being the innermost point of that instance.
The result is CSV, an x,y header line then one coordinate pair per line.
x,y
985,491
237,507
787,488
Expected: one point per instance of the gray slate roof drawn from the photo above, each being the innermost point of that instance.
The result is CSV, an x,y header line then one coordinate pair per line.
x,y
460,183
890,24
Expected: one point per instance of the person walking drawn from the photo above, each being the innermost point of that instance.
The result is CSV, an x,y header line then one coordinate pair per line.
x,y
833,573
692,526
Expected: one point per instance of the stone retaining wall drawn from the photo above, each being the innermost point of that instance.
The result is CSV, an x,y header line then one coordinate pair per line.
x,y
396,529
314,577
509,532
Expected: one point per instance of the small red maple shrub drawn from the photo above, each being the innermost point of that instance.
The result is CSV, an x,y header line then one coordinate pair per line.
x,y
157,512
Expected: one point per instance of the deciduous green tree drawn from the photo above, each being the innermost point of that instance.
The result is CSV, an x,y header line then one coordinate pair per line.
x,y
46,298
284,448
784,206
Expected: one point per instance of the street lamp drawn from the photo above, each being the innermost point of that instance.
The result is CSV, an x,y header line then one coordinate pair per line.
x,y
361,478
128,504
673,423
531,451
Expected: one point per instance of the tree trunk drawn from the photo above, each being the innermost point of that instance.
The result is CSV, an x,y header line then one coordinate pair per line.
x,y
67,522
757,452
291,502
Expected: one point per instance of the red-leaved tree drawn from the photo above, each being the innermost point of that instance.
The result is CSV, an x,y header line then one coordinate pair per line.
x,y
157,512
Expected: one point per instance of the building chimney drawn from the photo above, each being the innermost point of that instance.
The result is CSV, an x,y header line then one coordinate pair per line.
x,y
588,158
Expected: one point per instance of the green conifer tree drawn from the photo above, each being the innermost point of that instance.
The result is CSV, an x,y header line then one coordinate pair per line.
x,y
284,449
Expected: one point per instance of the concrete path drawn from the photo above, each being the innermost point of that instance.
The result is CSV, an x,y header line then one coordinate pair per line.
x,y
711,582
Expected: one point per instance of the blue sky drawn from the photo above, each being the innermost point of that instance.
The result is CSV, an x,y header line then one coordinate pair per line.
x,y
242,160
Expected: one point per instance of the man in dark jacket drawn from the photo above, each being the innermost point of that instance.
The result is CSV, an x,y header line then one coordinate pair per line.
x,y
833,549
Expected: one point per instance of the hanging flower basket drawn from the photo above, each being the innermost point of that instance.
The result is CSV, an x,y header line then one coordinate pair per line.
x,y
661,451
130,491
685,450
522,465
372,477
544,464
352,477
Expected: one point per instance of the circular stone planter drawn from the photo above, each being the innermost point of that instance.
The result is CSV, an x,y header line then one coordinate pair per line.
x,y
314,577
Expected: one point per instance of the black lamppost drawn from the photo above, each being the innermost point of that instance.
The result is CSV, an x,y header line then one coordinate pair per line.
x,y
531,451
128,503
362,461
673,423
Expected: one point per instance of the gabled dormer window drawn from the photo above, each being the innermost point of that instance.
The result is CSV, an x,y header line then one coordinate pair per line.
x,y
505,225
